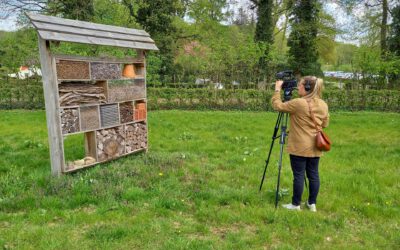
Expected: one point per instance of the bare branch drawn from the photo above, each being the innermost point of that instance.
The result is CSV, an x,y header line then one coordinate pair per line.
x,y
279,31
14,7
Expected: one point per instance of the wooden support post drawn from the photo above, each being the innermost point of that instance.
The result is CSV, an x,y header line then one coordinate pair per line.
x,y
52,111
140,54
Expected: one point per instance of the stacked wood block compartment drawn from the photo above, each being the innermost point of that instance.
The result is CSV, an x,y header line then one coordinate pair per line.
x,y
97,98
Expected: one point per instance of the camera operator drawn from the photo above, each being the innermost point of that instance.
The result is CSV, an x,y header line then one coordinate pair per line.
x,y
304,155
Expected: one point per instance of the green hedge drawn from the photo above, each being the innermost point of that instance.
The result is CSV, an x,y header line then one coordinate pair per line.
x,y
30,96
22,97
256,100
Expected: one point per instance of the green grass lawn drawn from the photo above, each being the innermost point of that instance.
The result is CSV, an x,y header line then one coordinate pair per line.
x,y
197,188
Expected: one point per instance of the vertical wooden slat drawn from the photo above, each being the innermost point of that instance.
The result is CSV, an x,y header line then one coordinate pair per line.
x,y
52,110
143,56
90,144
140,54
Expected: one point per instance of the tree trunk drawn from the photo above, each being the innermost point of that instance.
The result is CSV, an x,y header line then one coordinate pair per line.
x,y
285,25
384,28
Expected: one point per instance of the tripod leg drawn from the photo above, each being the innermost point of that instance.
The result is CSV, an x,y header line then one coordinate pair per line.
x,y
278,121
281,142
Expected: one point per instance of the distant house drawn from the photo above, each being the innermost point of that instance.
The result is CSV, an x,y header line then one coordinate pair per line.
x,y
202,81
218,85
26,72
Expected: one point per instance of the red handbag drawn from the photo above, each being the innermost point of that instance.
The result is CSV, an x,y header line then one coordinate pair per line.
x,y
323,142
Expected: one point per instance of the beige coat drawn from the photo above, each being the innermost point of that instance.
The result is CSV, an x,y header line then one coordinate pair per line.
x,y
301,138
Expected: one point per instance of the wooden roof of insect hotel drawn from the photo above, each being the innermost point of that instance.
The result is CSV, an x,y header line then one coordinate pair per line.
x,y
59,29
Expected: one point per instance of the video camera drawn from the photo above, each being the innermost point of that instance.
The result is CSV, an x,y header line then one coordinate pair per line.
x,y
289,83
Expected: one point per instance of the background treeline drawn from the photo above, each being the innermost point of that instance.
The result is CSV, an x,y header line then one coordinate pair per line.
x,y
228,41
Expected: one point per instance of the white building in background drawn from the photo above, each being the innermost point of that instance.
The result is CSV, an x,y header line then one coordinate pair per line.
x,y
218,85
202,81
26,72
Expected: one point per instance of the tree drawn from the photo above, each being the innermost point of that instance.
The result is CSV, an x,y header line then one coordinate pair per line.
x,y
264,26
394,45
303,53
385,10
394,35
344,59
375,20
327,32
73,9
264,33
206,10
242,18
157,18
16,7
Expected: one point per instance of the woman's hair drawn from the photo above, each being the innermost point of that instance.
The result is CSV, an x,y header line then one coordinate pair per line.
x,y
316,86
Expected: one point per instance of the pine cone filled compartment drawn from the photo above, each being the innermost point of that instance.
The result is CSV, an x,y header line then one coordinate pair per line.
x,y
110,143
69,120
126,112
105,71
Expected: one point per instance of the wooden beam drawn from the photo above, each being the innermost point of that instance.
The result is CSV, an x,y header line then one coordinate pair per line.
x,y
91,33
98,59
52,112
56,36
80,24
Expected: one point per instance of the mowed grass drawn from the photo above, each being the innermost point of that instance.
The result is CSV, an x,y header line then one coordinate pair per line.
x,y
197,187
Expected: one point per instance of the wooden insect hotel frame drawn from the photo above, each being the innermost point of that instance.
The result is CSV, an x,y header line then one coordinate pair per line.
x,y
102,98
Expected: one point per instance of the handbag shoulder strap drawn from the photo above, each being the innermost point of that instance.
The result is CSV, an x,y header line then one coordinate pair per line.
x,y
312,115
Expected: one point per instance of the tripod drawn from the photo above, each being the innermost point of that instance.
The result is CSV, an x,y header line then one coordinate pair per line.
x,y
282,137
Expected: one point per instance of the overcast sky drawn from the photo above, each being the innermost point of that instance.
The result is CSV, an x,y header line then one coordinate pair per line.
x,y
9,23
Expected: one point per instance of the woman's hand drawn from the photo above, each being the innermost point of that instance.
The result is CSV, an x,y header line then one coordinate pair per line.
x,y
278,85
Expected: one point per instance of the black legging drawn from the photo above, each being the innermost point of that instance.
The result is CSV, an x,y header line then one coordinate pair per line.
x,y
299,166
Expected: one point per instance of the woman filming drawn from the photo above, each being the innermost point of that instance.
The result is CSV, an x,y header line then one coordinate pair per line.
x,y
304,155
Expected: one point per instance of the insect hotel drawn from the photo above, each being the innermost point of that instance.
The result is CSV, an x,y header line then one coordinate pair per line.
x,y
102,98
